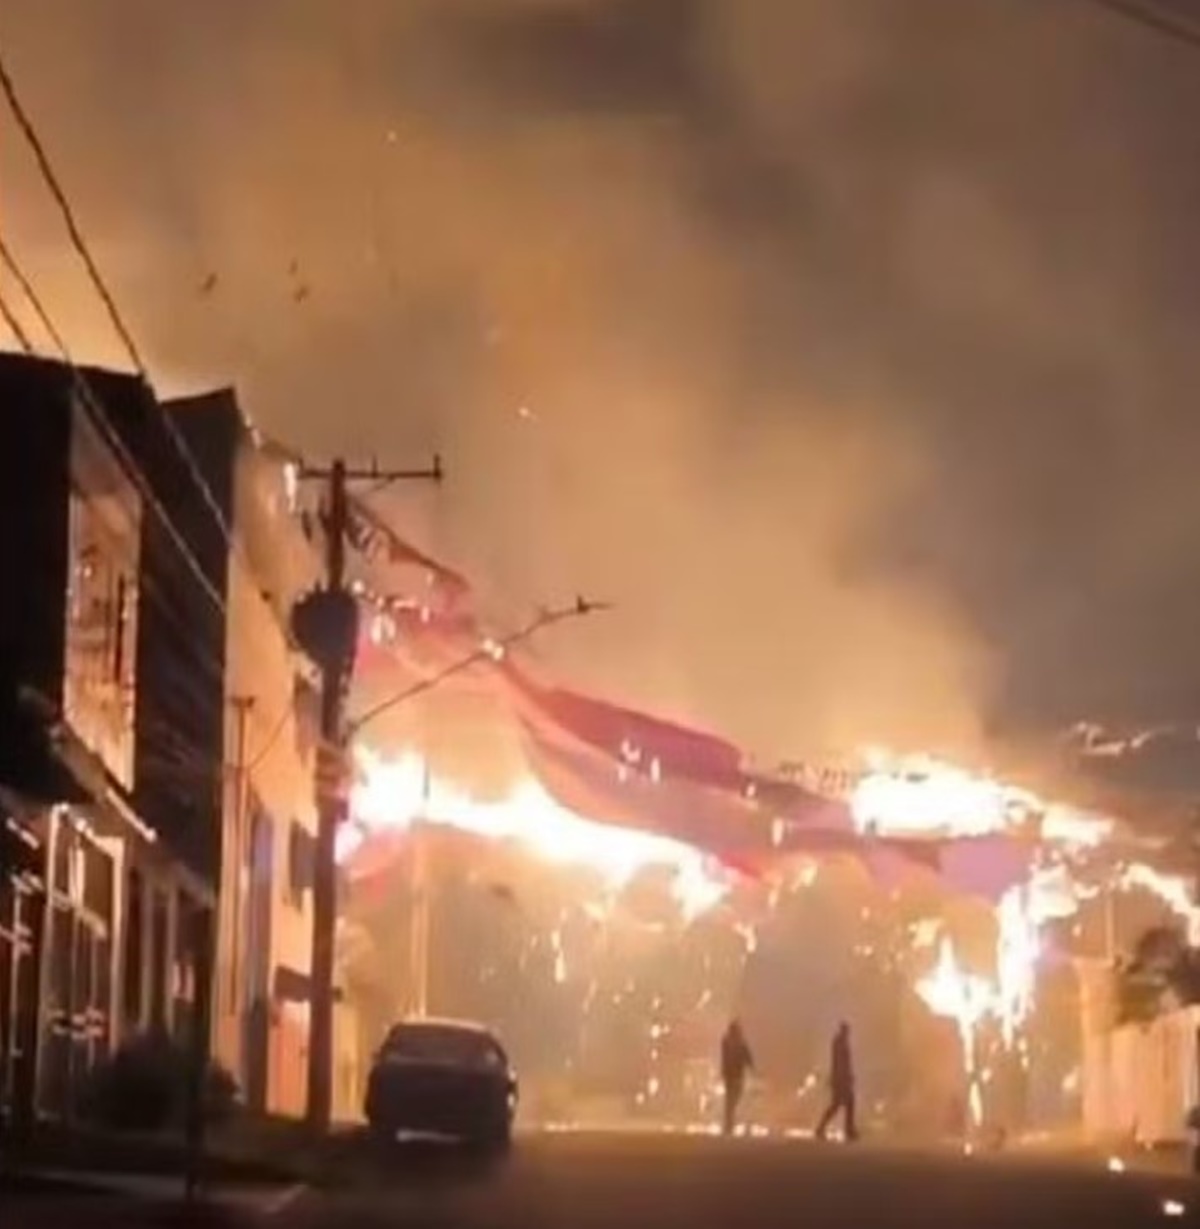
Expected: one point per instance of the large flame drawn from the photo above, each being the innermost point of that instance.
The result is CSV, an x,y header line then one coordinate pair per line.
x,y
922,796
911,797
1018,947
954,994
393,794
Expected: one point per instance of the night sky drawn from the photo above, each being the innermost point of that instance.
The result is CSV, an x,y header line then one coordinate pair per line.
x,y
847,345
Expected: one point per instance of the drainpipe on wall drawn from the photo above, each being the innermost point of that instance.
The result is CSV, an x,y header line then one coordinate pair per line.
x,y
233,995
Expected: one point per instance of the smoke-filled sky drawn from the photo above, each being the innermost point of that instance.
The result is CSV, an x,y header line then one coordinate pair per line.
x,y
847,345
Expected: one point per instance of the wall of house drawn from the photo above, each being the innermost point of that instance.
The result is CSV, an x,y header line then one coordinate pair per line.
x,y
270,814
1144,1079
1097,1026
180,711
70,630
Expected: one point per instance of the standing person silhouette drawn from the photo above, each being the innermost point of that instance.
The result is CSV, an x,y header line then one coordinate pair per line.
x,y
736,1061
841,1085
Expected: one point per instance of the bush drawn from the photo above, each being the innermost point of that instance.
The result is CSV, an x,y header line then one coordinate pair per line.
x,y
221,1094
144,1087
1164,971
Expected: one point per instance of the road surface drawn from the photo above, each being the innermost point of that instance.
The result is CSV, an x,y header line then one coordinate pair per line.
x,y
633,1181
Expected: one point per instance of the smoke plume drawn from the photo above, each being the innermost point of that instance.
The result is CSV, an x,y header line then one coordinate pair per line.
x,y
845,344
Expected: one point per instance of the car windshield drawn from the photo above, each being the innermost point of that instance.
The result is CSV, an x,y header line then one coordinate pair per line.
x,y
443,1044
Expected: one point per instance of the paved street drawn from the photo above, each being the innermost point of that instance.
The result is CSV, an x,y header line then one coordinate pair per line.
x,y
625,1182
629,1181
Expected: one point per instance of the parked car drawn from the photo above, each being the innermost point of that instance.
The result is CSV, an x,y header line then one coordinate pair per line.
x,y
442,1078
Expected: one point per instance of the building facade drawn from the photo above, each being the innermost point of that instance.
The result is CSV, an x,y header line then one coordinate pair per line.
x,y
83,960
157,742
271,706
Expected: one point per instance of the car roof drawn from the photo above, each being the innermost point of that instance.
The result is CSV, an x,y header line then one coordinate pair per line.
x,y
445,1023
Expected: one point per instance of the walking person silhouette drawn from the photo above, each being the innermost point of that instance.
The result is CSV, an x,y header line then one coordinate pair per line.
x,y
736,1061
841,1086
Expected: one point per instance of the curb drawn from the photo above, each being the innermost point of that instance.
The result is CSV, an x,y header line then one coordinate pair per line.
x,y
150,1189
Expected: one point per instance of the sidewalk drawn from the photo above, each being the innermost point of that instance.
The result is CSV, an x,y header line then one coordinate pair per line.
x,y
75,1199
253,1164
249,1152
263,1198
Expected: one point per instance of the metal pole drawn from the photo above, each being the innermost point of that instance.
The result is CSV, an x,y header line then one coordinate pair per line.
x,y
230,997
416,889
331,802
329,814
204,922
422,901
420,923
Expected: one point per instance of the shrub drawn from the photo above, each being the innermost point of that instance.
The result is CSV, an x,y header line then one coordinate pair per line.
x,y
144,1087
1163,972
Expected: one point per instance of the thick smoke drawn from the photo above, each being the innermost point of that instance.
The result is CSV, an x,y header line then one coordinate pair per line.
x,y
844,343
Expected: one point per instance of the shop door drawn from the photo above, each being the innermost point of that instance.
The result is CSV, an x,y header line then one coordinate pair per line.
x,y
78,995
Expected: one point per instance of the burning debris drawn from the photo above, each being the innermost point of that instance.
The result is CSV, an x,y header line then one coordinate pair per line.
x,y
992,1001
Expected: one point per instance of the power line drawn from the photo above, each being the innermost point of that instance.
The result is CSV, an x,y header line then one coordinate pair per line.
x,y
1152,17
97,412
79,243
210,664
103,423
9,316
489,651
25,123
166,749
168,601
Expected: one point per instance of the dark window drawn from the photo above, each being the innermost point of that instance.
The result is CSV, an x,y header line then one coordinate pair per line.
x,y
256,905
158,962
62,961
8,896
102,998
8,958
97,881
186,964
134,949
302,855
64,846
118,659
306,701
444,1043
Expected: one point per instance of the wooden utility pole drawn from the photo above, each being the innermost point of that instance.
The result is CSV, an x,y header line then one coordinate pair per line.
x,y
331,621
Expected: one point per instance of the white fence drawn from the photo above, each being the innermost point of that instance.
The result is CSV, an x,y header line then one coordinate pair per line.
x,y
1141,1080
